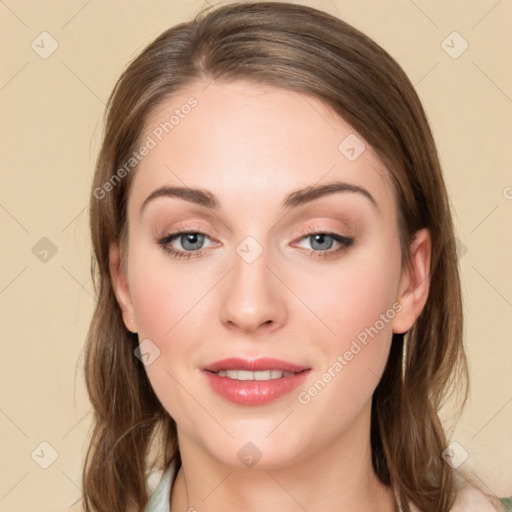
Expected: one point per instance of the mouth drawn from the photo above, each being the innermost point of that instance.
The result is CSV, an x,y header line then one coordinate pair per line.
x,y
248,375
254,365
254,382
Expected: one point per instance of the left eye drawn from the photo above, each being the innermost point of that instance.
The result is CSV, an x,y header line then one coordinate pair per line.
x,y
324,241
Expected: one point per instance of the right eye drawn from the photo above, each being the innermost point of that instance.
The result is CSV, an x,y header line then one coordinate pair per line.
x,y
184,244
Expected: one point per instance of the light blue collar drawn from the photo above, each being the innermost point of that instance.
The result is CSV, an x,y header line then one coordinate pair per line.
x,y
160,499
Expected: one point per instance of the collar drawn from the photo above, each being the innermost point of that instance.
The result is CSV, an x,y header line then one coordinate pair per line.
x,y
159,501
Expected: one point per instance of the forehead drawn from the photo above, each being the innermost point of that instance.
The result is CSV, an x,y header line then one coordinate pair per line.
x,y
252,144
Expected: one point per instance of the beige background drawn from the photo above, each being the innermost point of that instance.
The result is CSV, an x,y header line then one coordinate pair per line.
x,y
51,124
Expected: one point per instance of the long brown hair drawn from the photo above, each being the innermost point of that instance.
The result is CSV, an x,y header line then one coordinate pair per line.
x,y
304,50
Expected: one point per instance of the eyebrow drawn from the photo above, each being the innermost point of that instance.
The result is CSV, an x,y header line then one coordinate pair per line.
x,y
305,195
299,197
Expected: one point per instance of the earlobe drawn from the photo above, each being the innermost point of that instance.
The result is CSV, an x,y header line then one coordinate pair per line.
x,y
414,283
120,286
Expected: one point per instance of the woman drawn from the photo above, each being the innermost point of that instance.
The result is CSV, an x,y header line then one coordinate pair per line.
x,y
279,311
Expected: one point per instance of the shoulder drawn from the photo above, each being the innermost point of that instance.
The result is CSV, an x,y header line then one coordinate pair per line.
x,y
470,499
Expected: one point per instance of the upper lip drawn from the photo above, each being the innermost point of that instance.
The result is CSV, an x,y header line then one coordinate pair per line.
x,y
253,365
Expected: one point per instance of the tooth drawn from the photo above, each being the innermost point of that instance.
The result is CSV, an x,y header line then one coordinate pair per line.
x,y
258,375
262,375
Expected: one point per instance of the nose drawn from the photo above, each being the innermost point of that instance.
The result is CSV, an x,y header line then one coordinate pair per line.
x,y
252,298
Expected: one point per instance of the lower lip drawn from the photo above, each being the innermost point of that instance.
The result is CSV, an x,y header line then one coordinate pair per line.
x,y
255,392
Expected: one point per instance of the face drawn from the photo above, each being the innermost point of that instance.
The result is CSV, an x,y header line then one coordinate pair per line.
x,y
262,226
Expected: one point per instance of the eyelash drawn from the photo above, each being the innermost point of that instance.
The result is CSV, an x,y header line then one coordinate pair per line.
x,y
186,255
345,243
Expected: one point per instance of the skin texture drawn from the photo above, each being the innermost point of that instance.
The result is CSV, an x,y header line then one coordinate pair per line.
x,y
250,146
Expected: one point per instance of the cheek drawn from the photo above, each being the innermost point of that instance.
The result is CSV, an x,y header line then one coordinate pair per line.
x,y
352,295
163,292
166,300
173,308
359,307
356,302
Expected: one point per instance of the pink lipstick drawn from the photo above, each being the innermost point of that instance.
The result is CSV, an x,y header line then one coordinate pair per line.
x,y
254,382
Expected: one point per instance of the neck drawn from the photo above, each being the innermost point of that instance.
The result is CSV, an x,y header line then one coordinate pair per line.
x,y
337,478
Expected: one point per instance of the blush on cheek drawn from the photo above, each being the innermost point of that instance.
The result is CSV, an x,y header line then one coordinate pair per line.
x,y
160,297
361,315
157,310
363,304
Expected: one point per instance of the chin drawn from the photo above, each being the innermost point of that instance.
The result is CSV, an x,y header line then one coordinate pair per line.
x,y
254,448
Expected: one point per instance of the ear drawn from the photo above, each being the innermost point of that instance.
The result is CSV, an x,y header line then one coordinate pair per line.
x,y
414,283
120,286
